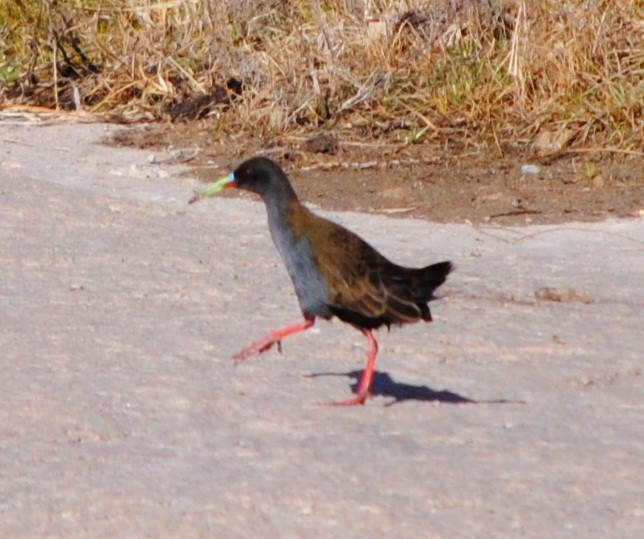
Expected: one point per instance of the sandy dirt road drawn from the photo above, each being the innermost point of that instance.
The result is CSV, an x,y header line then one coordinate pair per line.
x,y
122,414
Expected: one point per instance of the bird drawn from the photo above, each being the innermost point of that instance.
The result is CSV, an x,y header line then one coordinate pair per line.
x,y
335,273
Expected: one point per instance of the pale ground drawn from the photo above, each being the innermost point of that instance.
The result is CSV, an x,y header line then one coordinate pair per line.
x,y
122,414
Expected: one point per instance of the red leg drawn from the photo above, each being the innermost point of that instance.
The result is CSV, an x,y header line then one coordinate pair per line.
x,y
274,337
367,374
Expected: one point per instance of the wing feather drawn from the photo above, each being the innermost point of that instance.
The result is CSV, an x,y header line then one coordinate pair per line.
x,y
364,288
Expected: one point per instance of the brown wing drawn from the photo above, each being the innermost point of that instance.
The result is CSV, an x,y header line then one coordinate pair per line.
x,y
365,289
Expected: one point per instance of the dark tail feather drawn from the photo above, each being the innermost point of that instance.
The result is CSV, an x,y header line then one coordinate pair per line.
x,y
428,279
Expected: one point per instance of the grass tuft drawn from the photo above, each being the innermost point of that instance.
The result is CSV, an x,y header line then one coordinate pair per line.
x,y
504,72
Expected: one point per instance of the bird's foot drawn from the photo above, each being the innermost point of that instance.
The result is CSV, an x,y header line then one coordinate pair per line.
x,y
258,347
359,398
273,338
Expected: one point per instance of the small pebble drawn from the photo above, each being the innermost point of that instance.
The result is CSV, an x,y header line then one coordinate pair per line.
x,y
530,169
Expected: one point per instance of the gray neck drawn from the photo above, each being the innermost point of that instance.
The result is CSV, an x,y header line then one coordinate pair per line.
x,y
278,202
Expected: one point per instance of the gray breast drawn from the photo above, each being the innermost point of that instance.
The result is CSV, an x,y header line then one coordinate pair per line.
x,y
309,284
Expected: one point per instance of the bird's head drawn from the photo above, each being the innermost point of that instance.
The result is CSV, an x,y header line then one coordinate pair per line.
x,y
258,175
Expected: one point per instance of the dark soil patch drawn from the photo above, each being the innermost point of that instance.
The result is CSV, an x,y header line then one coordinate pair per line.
x,y
426,181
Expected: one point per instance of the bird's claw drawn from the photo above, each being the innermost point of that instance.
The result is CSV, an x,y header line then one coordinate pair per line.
x,y
259,348
240,356
360,398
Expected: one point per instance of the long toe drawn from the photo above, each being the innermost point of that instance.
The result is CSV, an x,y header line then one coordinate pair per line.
x,y
359,398
246,352
240,356
258,347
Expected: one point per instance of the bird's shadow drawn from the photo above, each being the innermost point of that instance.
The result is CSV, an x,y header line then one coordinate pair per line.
x,y
384,385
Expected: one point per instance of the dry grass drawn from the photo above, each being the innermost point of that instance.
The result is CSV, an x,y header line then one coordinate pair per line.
x,y
506,73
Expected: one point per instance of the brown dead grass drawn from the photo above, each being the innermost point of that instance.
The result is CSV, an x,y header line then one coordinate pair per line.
x,y
504,73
